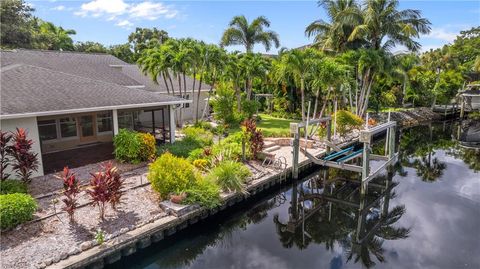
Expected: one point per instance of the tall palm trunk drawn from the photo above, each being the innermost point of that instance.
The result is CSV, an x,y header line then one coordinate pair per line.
x,y
171,82
239,97
302,94
404,92
180,114
198,97
249,87
209,95
165,81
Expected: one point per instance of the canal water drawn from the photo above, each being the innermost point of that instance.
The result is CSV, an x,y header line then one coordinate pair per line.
x,y
422,213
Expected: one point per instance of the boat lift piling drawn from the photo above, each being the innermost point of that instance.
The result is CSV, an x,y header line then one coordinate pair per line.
x,y
342,156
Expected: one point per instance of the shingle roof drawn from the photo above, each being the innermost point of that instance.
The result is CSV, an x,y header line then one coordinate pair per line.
x,y
90,65
134,72
23,90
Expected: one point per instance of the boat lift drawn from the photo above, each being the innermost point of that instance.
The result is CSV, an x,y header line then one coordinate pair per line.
x,y
339,157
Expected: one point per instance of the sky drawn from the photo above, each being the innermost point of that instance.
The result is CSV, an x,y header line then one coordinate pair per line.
x,y
111,21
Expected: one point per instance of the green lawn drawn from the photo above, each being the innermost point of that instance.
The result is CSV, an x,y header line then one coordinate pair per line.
x,y
274,127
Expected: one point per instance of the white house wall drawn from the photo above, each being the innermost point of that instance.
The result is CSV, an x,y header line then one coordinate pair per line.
x,y
29,124
189,113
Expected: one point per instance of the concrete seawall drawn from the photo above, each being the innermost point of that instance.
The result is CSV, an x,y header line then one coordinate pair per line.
x,y
408,117
150,233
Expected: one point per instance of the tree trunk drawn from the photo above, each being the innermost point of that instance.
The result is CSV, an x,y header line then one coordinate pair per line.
x,y
209,95
165,81
171,82
248,84
404,89
302,93
198,97
180,114
239,97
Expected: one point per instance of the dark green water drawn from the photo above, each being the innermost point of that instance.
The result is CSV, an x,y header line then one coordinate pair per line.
x,y
424,213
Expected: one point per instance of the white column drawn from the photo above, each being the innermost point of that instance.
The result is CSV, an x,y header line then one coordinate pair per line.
x,y
115,121
172,123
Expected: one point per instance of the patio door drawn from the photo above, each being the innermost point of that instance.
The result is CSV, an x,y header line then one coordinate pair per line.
x,y
87,128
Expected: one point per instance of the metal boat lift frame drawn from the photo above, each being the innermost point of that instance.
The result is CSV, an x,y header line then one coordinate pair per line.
x,y
365,137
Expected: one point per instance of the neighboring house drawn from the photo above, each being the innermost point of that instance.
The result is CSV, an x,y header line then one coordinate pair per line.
x,y
72,104
470,98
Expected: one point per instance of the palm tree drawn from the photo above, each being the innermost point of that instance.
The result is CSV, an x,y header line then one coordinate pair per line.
x,y
240,32
156,62
234,74
293,66
252,65
55,37
378,26
384,26
404,63
334,35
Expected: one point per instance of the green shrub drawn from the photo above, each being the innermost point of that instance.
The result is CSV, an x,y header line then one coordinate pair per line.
x,y
224,105
196,154
202,136
249,108
230,148
181,148
12,186
230,176
169,174
149,146
16,208
205,193
347,121
474,115
201,164
128,146
205,125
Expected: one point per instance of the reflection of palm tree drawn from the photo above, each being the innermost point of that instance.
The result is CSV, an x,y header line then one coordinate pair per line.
x,y
328,227
429,169
372,245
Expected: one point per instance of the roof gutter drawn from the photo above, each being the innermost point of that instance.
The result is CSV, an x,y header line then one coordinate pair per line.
x,y
89,109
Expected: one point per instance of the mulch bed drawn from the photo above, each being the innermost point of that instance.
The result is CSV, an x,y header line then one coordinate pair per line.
x,y
39,243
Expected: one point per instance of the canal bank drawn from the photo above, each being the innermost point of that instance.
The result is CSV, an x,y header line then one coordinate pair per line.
x,y
433,200
126,242
180,218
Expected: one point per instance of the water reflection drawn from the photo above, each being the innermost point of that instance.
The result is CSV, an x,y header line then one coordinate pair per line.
x,y
417,215
419,146
326,212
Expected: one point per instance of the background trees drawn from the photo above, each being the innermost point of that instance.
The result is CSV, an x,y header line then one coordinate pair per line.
x,y
353,62
15,23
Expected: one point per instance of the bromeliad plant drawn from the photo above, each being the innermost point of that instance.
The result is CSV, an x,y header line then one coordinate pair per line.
x,y
253,135
5,150
71,189
105,187
25,160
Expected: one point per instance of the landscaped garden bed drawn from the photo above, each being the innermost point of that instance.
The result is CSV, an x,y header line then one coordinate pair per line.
x,y
203,169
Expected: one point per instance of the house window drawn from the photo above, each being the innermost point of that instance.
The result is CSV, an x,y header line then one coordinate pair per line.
x,y
47,129
125,120
104,122
68,127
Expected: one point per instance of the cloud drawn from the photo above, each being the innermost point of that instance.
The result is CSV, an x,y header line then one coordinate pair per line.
x,y
97,8
152,11
125,24
442,34
59,8
120,11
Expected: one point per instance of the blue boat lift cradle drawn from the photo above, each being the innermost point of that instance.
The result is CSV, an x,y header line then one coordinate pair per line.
x,y
339,157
